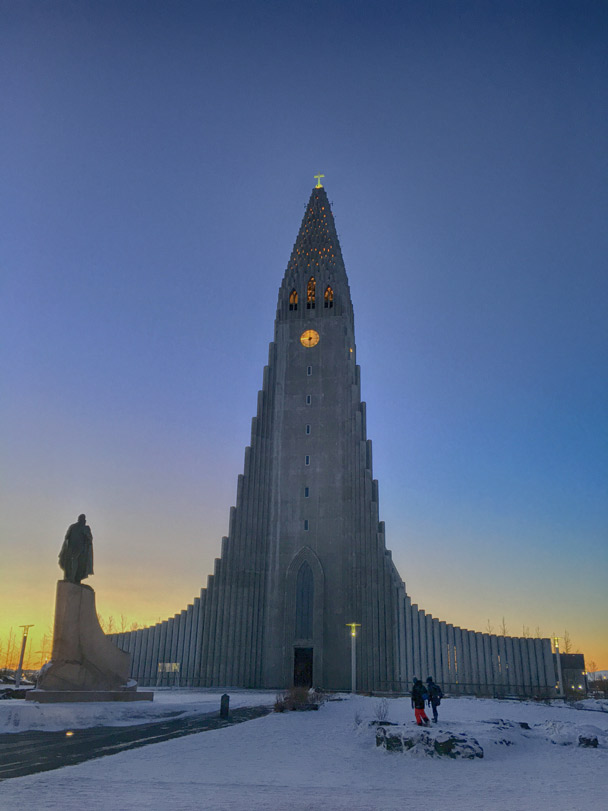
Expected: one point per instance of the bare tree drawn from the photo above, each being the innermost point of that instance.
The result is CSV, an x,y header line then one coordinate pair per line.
x,y
525,631
10,649
504,631
489,627
538,633
122,626
567,646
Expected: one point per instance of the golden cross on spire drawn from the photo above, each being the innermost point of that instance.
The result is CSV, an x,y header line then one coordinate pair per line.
x,y
318,179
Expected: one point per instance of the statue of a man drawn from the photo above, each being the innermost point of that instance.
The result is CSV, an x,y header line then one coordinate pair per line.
x,y
76,556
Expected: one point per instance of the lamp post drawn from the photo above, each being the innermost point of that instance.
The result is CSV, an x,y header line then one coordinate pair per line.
x,y
26,628
558,659
353,654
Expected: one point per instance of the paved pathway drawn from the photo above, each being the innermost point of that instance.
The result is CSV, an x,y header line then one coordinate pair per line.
x,y
24,753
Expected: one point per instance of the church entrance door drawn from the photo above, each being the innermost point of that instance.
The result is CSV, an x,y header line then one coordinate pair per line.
x,y
302,667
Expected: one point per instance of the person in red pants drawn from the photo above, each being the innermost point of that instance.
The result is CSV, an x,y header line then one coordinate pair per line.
x,y
419,696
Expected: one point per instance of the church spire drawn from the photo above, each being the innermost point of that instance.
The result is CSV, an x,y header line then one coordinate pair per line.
x,y
316,256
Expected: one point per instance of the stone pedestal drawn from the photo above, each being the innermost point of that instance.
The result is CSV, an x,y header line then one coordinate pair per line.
x,y
85,664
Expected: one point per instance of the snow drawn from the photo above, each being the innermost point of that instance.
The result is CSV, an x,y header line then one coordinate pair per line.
x,y
327,760
20,716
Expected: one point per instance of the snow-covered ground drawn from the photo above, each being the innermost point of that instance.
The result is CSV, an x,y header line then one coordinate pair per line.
x,y
325,760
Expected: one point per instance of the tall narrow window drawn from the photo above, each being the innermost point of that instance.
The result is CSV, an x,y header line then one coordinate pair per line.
x,y
293,300
305,592
307,460
310,293
306,524
329,297
308,429
308,399
309,370
306,492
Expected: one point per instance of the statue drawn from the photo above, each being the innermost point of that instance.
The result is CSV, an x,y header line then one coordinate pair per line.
x,y
76,556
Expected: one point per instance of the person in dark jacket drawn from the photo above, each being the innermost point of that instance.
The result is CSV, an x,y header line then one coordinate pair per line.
x,y
435,694
419,696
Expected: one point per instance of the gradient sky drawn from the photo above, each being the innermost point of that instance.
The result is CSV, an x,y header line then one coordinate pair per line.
x,y
156,161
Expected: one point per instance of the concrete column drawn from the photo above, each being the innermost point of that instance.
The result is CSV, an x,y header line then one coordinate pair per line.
x,y
200,633
550,677
437,673
525,667
474,663
452,664
422,637
443,639
466,663
162,639
534,675
481,664
487,657
137,654
416,642
409,647
460,668
517,662
148,654
511,681
430,649
504,668
174,639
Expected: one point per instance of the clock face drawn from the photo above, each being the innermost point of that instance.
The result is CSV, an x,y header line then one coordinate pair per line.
x,y
309,338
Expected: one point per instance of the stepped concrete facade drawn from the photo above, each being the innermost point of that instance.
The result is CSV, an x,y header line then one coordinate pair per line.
x,y
305,552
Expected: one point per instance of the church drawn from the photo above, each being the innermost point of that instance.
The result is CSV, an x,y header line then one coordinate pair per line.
x,y
305,556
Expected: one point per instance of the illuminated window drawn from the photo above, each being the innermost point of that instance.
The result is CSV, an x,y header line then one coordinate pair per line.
x,y
293,300
329,297
310,293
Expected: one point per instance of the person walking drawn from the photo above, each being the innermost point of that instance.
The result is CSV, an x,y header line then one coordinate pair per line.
x,y
419,696
435,694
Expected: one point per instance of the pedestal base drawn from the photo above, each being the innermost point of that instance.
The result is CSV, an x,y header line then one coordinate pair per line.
x,y
61,696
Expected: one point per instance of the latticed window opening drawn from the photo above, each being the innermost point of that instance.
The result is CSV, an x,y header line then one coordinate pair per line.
x,y
310,293
293,300
329,297
305,591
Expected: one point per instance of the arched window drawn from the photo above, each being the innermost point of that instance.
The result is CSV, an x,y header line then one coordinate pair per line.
x,y
310,293
293,300
305,592
329,297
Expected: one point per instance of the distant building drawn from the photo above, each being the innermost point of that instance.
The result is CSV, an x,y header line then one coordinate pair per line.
x,y
574,675
305,552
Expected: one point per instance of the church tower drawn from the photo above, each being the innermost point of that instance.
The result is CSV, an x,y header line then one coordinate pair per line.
x,y
305,552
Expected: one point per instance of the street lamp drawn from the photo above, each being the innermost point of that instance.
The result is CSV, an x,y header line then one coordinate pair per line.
x,y
26,628
558,660
353,654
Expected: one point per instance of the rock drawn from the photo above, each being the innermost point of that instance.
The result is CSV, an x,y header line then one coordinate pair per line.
x,y
445,744
587,743
458,746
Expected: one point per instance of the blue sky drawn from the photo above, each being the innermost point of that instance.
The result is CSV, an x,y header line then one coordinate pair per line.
x,y
156,162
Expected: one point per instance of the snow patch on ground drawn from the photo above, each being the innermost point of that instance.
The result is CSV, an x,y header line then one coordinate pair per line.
x,y
328,761
20,716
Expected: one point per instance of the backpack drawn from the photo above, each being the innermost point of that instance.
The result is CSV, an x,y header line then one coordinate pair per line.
x,y
435,693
